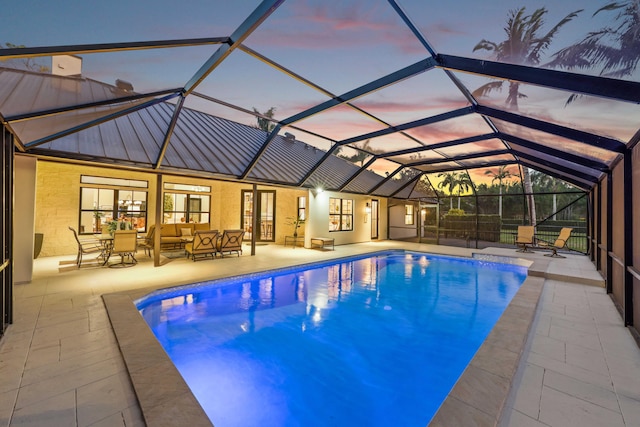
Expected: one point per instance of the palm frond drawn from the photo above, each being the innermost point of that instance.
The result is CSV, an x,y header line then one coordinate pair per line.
x,y
572,98
486,45
611,6
543,43
487,88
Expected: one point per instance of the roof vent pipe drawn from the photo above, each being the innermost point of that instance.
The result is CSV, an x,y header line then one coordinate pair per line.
x,y
289,137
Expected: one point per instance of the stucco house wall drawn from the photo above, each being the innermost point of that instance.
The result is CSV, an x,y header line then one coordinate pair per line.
x,y
58,199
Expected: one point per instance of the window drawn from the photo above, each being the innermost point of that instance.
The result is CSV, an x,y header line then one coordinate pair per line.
x,y
116,182
187,205
187,187
408,214
340,214
110,201
302,208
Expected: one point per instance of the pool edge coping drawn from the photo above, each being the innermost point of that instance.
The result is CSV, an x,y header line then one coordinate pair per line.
x,y
479,396
163,394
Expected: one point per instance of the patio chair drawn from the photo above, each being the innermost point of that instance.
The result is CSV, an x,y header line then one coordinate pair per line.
x,y
147,243
204,244
86,247
560,243
125,244
525,238
231,241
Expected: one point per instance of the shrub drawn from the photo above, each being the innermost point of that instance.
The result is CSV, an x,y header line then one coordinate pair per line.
x,y
455,212
464,226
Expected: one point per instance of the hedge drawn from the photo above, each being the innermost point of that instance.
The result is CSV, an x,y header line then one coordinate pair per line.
x,y
464,226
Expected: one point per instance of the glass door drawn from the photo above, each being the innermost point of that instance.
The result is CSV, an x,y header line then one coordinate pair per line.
x,y
266,214
266,208
247,214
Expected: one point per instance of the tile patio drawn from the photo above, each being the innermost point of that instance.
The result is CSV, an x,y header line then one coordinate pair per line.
x,y
61,364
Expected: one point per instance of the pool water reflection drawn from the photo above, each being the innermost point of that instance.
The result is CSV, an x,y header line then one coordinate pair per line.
x,y
373,341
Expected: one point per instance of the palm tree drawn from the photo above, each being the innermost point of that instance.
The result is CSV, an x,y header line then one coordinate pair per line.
x,y
264,123
501,174
362,153
524,45
616,49
464,183
450,182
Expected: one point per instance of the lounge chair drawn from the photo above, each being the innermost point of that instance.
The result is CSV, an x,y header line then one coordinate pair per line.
x,y
204,244
86,247
125,243
231,241
560,243
525,238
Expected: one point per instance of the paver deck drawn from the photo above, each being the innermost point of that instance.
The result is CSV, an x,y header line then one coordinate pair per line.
x,y
60,363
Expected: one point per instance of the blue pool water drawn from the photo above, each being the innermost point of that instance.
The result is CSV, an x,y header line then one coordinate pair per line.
x,y
375,341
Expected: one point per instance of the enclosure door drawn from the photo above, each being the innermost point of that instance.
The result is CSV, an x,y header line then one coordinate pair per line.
x,y
266,214
375,219
429,215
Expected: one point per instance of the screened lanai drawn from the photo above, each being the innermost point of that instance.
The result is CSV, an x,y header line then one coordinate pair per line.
x,y
528,112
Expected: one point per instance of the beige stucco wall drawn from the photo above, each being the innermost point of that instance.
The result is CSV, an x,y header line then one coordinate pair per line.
x,y
23,220
318,225
58,199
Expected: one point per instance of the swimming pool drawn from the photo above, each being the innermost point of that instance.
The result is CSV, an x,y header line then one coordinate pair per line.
x,y
366,341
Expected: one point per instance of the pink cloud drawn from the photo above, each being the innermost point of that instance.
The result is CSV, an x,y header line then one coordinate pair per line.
x,y
322,27
438,103
353,16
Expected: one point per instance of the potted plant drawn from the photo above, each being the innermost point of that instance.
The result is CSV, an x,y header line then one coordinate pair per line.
x,y
112,226
97,215
296,222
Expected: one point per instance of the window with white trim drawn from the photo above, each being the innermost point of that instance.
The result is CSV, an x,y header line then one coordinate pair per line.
x,y
408,214
340,214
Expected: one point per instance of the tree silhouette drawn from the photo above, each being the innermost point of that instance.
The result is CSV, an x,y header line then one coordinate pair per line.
x,y
30,64
362,153
524,45
266,124
464,184
501,174
450,182
616,49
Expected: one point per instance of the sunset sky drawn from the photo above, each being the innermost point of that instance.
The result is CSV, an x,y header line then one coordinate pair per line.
x,y
335,44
